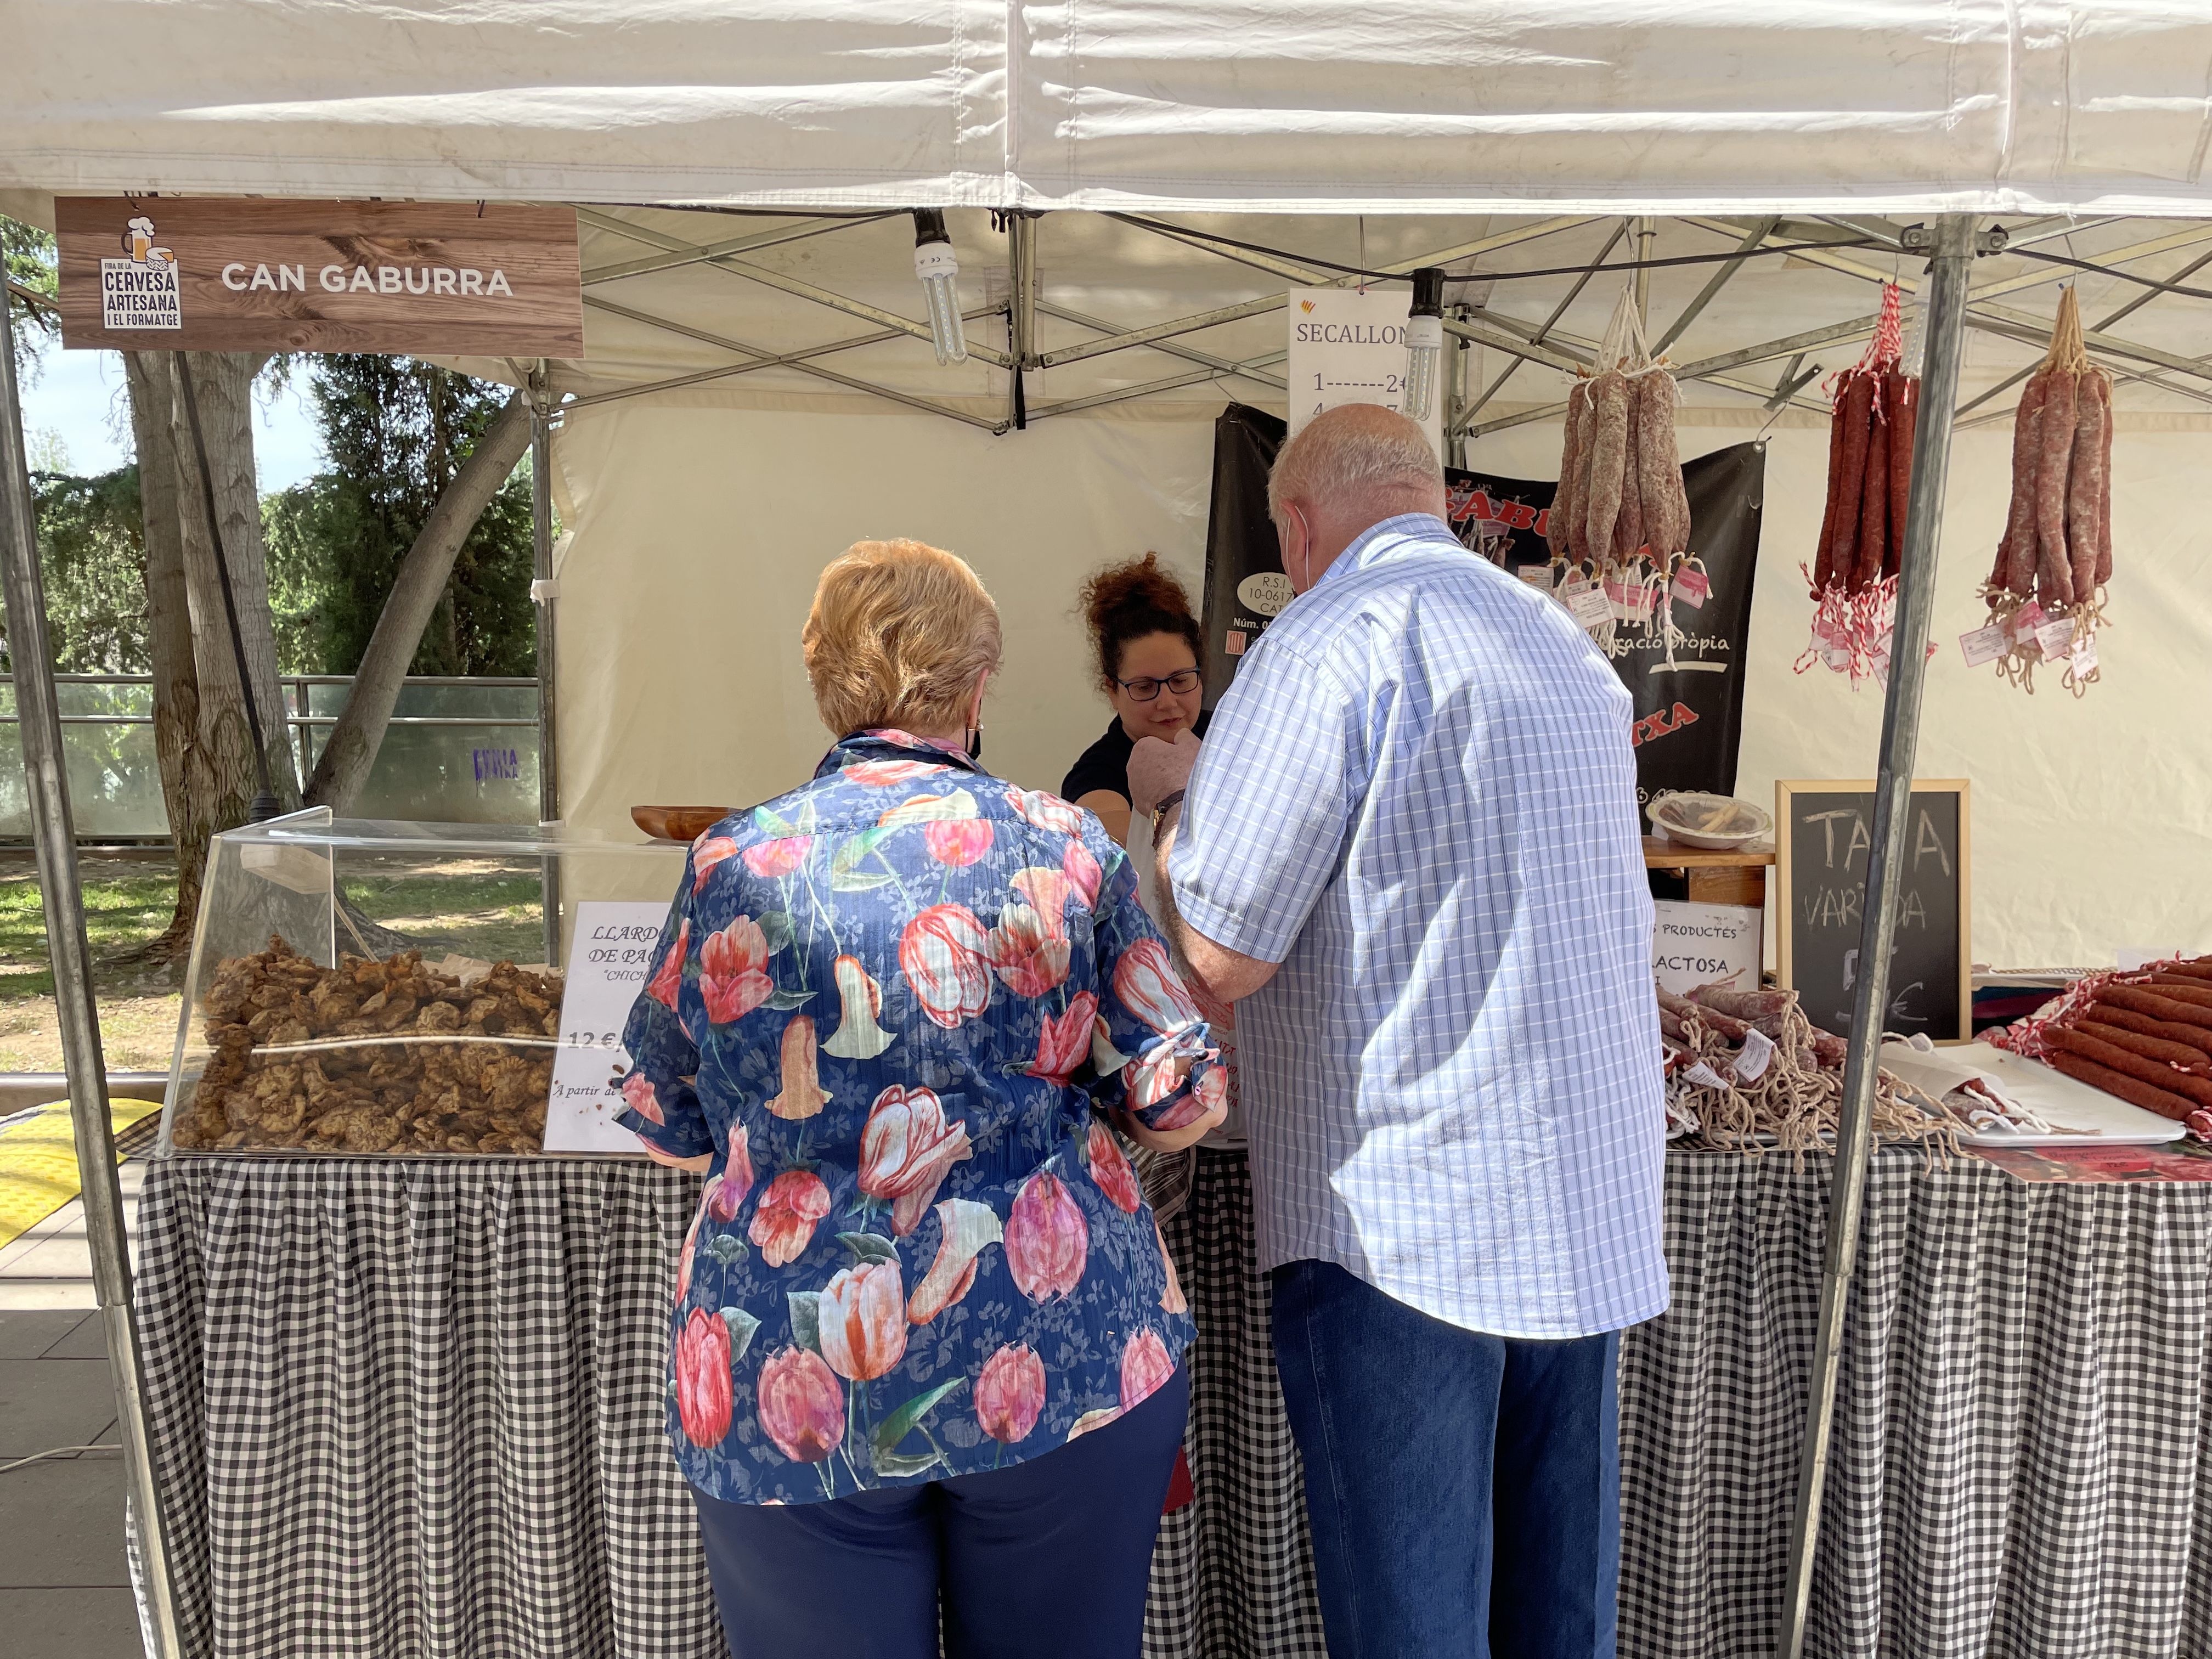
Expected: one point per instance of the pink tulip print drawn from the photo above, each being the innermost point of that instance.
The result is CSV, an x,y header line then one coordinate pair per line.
x,y
1064,1040
885,775
1148,988
726,1191
707,851
1045,891
637,1094
802,1407
1083,872
956,842
943,954
1030,954
770,859
703,1378
665,983
864,1321
1009,1393
733,971
1144,1367
1111,1169
1047,1239
906,1148
783,1225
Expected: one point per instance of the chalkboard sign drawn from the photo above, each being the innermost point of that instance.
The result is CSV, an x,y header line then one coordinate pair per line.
x,y
1823,833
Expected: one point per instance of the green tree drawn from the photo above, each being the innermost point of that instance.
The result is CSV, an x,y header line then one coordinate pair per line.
x,y
27,254
395,431
92,550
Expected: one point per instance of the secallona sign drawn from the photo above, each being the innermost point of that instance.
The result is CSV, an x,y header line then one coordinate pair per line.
x,y
421,278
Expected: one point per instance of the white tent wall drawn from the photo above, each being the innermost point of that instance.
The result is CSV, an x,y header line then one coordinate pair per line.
x,y
696,534
681,608
1306,105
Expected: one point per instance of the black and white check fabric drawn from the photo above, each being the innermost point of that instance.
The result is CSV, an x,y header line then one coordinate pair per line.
x,y
1232,1573
413,1410
407,1411
2020,1423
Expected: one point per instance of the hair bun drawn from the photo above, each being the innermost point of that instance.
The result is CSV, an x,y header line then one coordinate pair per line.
x,y
1128,601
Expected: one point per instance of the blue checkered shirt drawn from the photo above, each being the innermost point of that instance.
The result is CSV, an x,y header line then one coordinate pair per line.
x,y
1419,798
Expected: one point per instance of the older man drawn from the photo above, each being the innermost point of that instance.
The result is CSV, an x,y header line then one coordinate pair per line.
x,y
1410,855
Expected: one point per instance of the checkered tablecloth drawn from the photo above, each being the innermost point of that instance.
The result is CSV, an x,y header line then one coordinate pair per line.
x,y
409,1410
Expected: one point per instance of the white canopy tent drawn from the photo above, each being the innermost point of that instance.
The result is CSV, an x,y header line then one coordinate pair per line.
x,y
1302,106
697,514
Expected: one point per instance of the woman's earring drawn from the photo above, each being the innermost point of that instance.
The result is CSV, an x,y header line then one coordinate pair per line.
x,y
975,743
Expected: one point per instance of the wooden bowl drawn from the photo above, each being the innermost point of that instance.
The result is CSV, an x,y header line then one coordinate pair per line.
x,y
683,823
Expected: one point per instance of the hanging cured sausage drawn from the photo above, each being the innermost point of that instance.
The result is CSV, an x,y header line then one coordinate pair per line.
x,y
1854,576
2045,590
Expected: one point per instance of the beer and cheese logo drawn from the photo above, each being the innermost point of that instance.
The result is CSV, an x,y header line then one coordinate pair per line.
x,y
140,291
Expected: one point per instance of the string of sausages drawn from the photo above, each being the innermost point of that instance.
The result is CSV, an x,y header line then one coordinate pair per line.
x,y
2144,1036
2045,589
1875,410
1621,519
1791,1097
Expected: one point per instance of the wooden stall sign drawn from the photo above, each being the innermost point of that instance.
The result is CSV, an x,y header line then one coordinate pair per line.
x,y
414,278
1823,832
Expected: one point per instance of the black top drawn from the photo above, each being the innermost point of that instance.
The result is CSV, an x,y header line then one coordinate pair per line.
x,y
1105,764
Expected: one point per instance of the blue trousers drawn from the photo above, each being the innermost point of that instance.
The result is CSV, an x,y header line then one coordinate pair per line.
x,y
1048,1557
1464,1490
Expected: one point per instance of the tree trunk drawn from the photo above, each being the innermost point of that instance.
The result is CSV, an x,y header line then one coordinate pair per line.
x,y
420,582
223,383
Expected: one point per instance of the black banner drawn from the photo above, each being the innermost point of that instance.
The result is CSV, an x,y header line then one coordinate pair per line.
x,y
1689,702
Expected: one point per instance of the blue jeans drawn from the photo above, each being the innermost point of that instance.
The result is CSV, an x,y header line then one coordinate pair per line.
x,y
1464,1490
1051,1556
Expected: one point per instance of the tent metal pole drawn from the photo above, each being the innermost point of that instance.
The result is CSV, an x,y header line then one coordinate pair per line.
x,y
1647,230
1188,353
1954,244
767,239
1021,310
1714,284
1464,419
2120,315
71,952
548,679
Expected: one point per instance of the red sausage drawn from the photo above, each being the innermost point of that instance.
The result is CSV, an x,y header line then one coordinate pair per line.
x,y
1857,399
2164,1102
1824,561
2015,571
1874,502
2084,485
2186,1055
2054,578
2189,1036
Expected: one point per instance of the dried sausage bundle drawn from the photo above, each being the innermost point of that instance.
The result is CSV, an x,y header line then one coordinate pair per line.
x,y
1621,514
2145,1035
1854,575
2056,553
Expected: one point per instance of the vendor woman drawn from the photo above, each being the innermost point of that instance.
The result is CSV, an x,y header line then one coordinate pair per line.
x,y
1144,642
1245,1522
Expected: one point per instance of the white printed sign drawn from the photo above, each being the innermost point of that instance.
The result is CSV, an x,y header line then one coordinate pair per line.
x,y
1347,347
1695,944
608,961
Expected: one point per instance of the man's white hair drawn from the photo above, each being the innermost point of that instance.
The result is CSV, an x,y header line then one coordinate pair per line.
x,y
1356,455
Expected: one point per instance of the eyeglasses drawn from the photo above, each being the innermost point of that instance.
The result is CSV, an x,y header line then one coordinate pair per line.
x,y
1183,680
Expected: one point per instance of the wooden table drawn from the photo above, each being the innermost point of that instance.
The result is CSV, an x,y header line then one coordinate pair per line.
x,y
1736,876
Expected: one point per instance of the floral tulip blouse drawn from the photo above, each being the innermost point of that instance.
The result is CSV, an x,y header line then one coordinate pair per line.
x,y
886,1003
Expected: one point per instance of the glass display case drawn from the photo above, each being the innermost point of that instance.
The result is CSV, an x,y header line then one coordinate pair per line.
x,y
376,988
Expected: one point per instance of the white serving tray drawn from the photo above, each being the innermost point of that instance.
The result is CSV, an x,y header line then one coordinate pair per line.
x,y
2053,1095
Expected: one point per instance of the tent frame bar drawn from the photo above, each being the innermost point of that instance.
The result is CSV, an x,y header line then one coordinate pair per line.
x,y
62,899
767,239
1953,246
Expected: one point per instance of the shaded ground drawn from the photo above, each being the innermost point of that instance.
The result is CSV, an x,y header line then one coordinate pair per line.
x,y
477,908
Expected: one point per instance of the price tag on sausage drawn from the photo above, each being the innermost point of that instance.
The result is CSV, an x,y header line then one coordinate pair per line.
x,y
2026,620
1537,576
1985,645
2054,639
1703,1073
1757,1050
1589,607
609,954
2085,654
1690,585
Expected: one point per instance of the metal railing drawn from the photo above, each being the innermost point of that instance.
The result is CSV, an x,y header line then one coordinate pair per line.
x,y
421,770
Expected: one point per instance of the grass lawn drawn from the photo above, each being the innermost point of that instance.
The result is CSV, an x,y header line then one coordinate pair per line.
x,y
126,903
471,906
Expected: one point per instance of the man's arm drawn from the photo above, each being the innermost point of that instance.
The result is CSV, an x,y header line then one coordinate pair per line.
x,y
1229,975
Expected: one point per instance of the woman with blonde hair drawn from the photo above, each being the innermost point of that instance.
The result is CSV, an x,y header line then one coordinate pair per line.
x,y
925,1352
